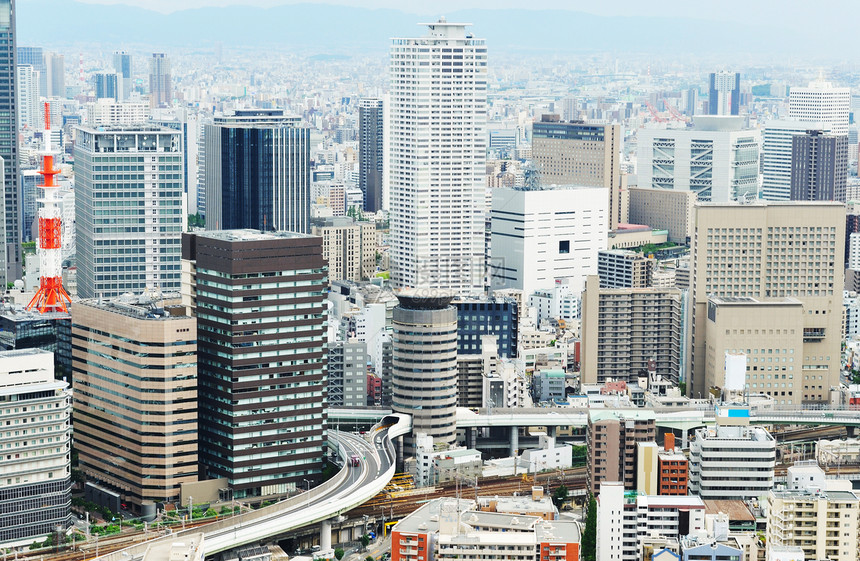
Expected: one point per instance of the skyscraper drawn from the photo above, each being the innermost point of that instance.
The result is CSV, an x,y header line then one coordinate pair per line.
x,y
370,152
35,57
437,158
724,93
56,69
28,97
819,169
106,86
776,156
767,251
160,81
257,172
10,256
576,153
425,365
821,102
261,357
128,209
122,67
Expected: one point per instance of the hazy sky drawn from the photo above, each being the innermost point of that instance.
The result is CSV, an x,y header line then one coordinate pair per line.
x,y
797,14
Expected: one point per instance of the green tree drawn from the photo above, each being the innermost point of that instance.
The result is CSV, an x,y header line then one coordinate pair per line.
x,y
338,553
365,541
559,496
369,558
589,534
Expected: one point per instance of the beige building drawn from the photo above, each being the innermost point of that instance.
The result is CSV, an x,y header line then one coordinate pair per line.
x,y
135,398
664,209
349,247
821,522
576,153
772,250
767,332
625,328
611,439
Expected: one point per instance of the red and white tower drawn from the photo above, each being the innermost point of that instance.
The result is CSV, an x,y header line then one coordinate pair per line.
x,y
51,297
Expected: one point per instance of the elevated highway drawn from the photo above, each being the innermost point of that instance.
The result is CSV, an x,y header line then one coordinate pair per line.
x,y
351,487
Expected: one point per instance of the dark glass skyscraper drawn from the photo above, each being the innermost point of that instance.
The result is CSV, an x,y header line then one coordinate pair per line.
x,y
106,86
724,93
819,166
370,152
122,67
257,172
11,254
160,81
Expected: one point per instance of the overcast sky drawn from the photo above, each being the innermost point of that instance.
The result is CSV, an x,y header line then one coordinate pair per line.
x,y
798,14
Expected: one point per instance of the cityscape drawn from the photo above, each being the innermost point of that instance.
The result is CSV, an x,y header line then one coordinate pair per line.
x,y
475,281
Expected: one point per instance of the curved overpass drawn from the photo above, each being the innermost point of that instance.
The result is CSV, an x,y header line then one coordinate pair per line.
x,y
351,487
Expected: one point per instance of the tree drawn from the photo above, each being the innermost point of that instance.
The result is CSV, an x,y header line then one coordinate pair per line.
x,y
559,496
589,535
338,553
365,541
369,558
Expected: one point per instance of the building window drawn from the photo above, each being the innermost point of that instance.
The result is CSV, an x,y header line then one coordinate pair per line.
x,y
564,246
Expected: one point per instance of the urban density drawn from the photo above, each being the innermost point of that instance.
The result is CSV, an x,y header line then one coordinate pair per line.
x,y
358,281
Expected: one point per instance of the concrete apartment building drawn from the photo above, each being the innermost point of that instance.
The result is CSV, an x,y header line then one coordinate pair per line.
x,y
35,475
731,462
772,250
425,325
767,332
718,159
347,374
135,376
547,236
663,209
447,529
625,329
626,519
817,515
620,268
261,312
349,247
578,153
611,439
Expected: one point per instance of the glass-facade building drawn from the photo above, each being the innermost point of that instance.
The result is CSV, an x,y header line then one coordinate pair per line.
x,y
10,257
52,331
128,209
495,316
257,172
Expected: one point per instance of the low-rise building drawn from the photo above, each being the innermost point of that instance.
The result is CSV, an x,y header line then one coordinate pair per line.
x,y
732,462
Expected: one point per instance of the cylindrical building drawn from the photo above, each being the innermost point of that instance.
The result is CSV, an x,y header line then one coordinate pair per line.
x,y
424,381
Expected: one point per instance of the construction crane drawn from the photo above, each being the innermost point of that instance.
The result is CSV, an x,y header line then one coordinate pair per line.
x,y
676,115
656,116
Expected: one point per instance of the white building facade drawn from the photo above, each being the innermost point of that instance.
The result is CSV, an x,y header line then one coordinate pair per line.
x,y
718,159
543,238
821,102
437,146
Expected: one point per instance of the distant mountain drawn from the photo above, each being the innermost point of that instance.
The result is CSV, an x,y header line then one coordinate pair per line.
x,y
337,29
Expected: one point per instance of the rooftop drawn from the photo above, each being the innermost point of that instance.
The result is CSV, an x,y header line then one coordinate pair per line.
x,y
735,510
250,235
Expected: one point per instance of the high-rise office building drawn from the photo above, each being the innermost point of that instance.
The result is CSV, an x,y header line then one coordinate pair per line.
x,y
717,159
56,68
349,247
36,482
257,172
724,93
765,251
119,171
125,76
821,102
576,153
543,237
819,170
106,85
776,155
628,331
371,136
424,380
663,209
10,255
479,317
611,439
28,97
35,57
135,425
261,359
160,81
437,151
